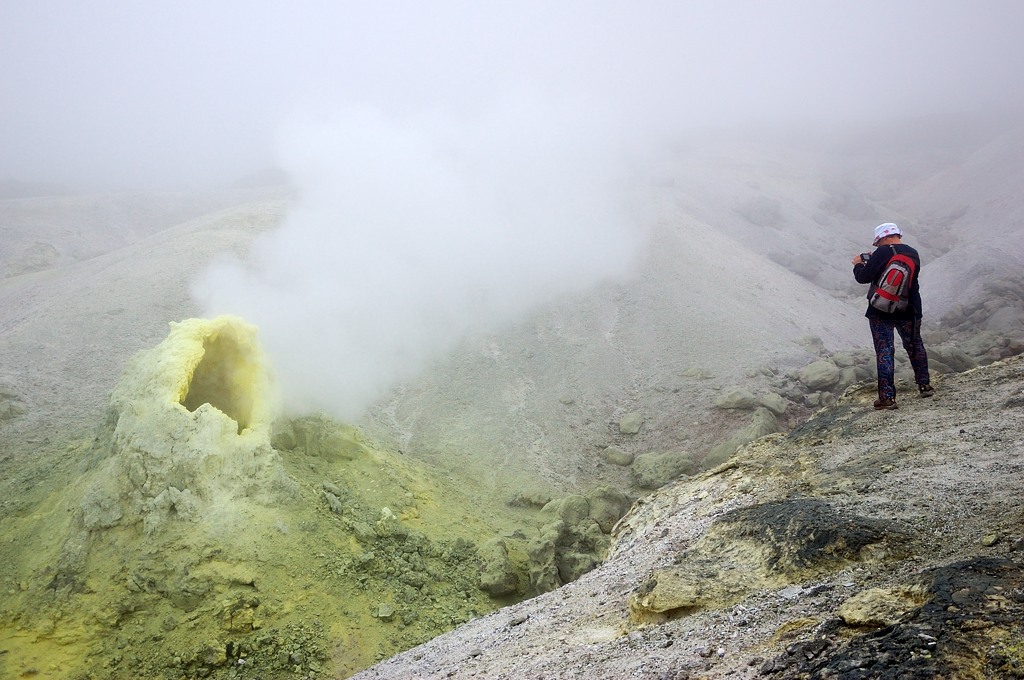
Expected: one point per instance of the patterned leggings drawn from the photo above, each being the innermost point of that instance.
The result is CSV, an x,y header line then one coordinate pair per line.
x,y
910,334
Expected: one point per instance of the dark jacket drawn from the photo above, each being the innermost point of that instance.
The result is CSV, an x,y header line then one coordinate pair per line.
x,y
869,273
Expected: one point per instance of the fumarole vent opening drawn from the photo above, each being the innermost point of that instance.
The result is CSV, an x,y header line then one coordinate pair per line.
x,y
224,379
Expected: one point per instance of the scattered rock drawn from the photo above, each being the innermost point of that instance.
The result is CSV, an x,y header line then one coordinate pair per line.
x,y
214,654
333,488
850,375
384,612
819,375
880,607
631,423
818,399
529,500
954,359
821,569
654,470
1005,319
607,506
762,422
848,359
363,532
736,398
775,403
617,456
334,503
985,346
570,509
813,344
958,627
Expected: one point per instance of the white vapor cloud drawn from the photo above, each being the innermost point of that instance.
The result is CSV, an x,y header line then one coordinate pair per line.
x,y
412,232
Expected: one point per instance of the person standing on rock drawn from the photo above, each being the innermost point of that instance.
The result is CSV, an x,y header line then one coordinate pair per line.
x,y
888,240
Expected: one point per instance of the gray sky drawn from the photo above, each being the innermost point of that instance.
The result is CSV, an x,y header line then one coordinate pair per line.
x,y
196,90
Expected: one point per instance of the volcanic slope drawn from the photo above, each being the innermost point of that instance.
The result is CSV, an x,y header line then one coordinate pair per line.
x,y
861,544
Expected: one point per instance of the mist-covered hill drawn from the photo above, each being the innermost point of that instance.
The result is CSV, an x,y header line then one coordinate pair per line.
x,y
750,262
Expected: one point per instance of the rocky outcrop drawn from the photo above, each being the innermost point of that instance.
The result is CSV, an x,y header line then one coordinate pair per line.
x,y
998,310
768,545
497,573
36,257
964,620
574,536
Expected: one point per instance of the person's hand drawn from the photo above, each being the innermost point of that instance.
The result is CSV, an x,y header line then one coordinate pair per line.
x,y
857,259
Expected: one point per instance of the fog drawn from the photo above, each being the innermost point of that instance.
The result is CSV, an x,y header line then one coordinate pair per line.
x,y
456,163
411,232
123,94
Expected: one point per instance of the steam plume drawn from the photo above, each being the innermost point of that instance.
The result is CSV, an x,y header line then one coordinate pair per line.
x,y
410,233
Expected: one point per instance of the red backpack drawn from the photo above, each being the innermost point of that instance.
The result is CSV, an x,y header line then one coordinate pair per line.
x,y
891,292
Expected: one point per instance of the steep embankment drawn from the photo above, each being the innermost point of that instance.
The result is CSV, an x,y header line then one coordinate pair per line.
x,y
862,544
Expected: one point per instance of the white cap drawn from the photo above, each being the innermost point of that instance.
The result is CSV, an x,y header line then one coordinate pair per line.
x,y
887,229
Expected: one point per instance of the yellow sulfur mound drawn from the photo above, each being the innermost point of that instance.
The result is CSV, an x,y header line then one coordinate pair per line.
x,y
211,361
191,422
